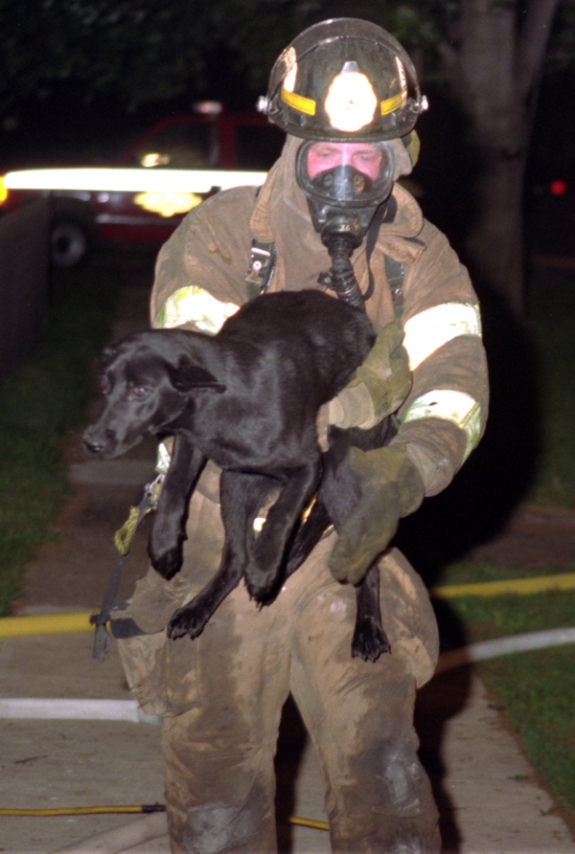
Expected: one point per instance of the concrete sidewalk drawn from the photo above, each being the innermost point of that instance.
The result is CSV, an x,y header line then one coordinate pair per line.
x,y
486,790
488,796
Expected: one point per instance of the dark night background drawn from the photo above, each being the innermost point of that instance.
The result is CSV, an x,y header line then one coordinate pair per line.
x,y
65,130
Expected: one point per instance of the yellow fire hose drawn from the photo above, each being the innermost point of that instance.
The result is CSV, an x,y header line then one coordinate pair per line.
x,y
138,809
519,586
55,624
50,624
100,810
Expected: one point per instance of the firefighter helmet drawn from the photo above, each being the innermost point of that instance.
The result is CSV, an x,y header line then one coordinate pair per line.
x,y
344,79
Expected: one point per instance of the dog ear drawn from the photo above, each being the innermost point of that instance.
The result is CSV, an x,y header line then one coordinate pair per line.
x,y
108,356
188,376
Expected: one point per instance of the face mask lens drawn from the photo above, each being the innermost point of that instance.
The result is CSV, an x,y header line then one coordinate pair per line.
x,y
346,171
363,157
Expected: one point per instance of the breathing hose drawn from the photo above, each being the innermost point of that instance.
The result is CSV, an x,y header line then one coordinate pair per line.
x,y
341,277
340,240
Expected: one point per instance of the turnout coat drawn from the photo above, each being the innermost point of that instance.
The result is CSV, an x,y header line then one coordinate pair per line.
x,y
201,279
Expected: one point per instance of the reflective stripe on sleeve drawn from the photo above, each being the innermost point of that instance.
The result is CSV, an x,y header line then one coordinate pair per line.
x,y
454,406
431,329
195,305
163,459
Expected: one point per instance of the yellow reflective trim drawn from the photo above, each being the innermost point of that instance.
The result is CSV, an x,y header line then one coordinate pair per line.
x,y
298,102
429,330
455,406
163,459
193,304
391,104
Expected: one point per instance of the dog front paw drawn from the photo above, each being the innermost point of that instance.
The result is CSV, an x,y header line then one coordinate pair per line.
x,y
167,563
369,640
261,584
186,621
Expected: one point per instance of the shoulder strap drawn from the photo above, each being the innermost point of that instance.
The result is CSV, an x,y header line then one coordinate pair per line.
x,y
394,270
370,241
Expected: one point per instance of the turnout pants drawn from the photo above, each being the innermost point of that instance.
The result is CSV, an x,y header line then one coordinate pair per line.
x,y
221,697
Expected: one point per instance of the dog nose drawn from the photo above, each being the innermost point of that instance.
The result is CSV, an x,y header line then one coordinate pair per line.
x,y
93,446
96,441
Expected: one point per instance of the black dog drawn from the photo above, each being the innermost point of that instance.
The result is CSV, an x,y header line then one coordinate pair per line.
x,y
248,399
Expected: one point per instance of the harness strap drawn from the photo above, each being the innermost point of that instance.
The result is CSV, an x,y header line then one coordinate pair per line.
x,y
261,269
123,539
394,270
395,274
263,258
371,240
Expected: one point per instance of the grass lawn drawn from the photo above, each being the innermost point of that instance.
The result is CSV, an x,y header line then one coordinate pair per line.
x,y
536,689
533,379
551,310
41,401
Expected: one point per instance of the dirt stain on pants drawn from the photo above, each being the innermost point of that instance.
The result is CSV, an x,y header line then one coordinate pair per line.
x,y
222,694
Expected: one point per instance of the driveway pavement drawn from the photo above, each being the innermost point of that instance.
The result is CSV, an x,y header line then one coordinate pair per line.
x,y
489,797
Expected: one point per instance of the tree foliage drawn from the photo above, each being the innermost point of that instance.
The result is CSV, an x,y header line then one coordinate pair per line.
x,y
154,50
490,53
136,50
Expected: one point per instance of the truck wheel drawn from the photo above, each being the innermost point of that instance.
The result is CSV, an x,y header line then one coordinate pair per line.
x,y
69,243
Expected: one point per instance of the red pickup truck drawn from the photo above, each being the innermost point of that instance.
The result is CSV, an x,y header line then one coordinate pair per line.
x,y
172,168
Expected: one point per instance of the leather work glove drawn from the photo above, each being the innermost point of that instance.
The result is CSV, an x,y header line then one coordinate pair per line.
x,y
389,487
379,386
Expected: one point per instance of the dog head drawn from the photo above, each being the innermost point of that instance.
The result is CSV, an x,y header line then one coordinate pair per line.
x,y
148,385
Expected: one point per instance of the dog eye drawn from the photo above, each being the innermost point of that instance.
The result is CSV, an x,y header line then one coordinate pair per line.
x,y
140,391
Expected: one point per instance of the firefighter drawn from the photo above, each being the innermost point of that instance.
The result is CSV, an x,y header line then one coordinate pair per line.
x,y
330,214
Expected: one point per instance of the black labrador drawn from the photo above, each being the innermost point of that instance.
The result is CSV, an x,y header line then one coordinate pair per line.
x,y
246,398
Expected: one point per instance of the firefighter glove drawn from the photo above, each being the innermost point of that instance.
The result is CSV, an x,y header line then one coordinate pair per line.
x,y
388,486
379,386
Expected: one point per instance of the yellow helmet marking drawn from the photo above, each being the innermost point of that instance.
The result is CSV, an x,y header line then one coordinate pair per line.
x,y
391,104
298,102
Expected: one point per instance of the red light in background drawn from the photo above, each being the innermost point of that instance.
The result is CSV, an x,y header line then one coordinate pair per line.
x,y
558,187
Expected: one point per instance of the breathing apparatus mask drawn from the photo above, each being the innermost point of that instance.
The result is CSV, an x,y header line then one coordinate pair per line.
x,y
347,88
344,183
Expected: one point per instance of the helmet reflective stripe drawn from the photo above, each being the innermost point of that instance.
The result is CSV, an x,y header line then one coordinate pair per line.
x,y
298,102
429,330
391,104
455,406
308,105
195,305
